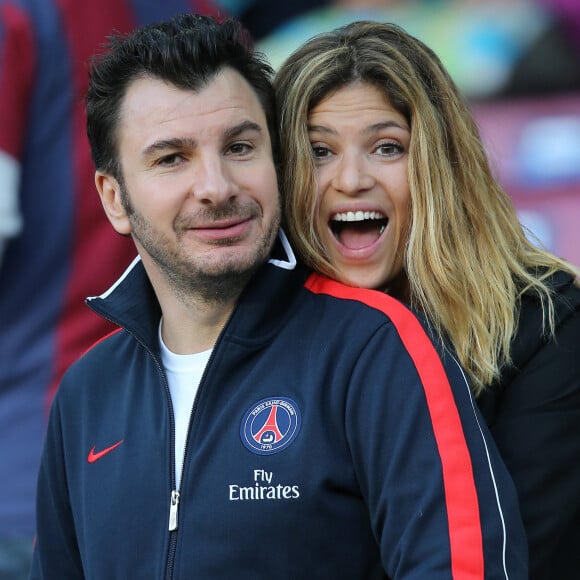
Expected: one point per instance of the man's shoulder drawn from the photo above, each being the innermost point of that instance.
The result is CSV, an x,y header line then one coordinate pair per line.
x,y
363,299
100,356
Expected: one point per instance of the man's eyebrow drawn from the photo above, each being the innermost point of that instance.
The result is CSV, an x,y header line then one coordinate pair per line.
x,y
169,144
190,143
240,128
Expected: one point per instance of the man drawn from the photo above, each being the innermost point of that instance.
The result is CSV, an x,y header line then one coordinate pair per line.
x,y
250,420
56,246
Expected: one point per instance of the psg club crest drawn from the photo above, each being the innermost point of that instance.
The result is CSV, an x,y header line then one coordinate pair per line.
x,y
270,425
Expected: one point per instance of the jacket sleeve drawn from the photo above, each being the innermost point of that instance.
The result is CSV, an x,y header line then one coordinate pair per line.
x,y
17,69
537,430
56,553
441,502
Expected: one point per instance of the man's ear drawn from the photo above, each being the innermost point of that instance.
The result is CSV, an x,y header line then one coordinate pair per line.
x,y
110,194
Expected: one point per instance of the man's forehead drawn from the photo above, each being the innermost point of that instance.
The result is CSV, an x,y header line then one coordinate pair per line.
x,y
228,89
226,104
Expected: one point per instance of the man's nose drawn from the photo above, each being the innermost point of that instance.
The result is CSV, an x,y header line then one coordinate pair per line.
x,y
212,182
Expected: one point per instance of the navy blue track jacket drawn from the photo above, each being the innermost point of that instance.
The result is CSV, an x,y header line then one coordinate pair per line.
x,y
329,439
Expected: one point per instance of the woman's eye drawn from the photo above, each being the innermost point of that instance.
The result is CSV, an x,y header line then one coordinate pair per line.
x,y
389,149
320,152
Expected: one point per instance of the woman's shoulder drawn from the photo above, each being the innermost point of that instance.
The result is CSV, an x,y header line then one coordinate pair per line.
x,y
532,330
533,340
565,292
545,367
566,289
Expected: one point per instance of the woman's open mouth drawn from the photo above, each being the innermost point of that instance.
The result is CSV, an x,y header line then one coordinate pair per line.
x,y
356,230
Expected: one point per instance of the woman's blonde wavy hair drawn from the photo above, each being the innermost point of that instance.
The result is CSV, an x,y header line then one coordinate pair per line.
x,y
467,258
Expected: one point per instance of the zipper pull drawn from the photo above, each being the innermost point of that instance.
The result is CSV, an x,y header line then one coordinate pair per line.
x,y
173,510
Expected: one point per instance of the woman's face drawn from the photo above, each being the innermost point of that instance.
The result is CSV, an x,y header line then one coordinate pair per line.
x,y
360,144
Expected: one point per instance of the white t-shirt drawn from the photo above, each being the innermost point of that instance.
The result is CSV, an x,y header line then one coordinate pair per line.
x,y
184,372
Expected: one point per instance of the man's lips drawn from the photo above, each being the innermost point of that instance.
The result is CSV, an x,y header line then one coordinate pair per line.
x,y
222,230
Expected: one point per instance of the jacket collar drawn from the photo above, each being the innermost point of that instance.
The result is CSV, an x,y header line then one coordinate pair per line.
x,y
132,304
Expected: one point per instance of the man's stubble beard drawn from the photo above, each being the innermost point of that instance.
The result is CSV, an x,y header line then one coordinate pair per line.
x,y
218,283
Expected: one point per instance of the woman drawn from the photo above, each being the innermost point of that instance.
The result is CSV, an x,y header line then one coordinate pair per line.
x,y
387,185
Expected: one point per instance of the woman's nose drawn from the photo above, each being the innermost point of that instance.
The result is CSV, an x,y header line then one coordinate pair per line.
x,y
352,175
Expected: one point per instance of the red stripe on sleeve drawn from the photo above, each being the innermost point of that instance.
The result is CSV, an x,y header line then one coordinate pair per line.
x,y
460,493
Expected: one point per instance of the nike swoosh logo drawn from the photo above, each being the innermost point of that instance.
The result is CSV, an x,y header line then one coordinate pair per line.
x,y
95,456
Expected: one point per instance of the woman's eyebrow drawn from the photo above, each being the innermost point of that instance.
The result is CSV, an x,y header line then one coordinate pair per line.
x,y
380,126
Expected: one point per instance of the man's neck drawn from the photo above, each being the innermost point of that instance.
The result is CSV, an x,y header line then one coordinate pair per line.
x,y
191,328
191,322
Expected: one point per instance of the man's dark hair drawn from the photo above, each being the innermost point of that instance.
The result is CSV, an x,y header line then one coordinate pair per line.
x,y
187,51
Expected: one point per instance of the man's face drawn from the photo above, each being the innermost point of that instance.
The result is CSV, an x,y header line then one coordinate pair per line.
x,y
199,189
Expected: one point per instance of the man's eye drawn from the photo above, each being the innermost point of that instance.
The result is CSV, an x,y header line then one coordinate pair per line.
x,y
240,149
170,160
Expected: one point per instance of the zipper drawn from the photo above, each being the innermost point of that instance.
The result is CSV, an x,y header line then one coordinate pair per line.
x,y
173,507
175,496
